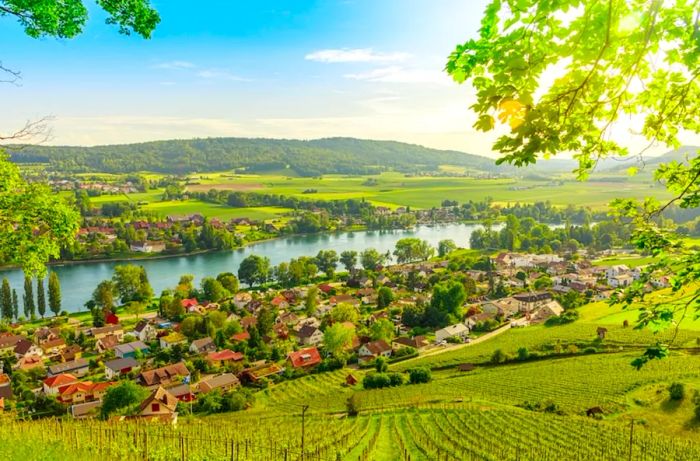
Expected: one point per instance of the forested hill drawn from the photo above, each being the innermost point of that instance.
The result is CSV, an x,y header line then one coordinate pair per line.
x,y
306,158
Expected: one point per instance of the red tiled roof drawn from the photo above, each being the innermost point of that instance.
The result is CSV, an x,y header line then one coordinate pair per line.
x,y
60,380
305,357
189,302
225,355
243,336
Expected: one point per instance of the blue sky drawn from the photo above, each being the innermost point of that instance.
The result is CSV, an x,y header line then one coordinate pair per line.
x,y
285,69
297,69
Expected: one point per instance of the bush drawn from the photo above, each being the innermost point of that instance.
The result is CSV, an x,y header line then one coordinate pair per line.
x,y
419,375
498,356
380,380
676,391
523,354
590,350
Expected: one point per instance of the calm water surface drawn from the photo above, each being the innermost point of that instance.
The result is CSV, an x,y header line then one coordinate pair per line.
x,y
79,280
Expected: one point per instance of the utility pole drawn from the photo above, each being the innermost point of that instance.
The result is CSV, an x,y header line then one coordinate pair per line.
x,y
631,437
303,428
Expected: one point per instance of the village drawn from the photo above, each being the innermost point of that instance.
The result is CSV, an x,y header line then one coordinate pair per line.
x,y
189,349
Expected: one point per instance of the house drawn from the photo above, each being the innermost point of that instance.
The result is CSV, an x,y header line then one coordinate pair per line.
x,y
474,320
350,380
29,362
280,302
77,367
551,309
166,376
458,330
241,299
148,246
183,393
131,350
344,299
223,383
417,342
310,335
260,370
374,349
240,337
224,357
114,369
53,347
161,404
304,358
288,318
26,347
5,387
530,301
145,331
80,392
71,353
106,343
202,346
46,334
616,270
101,332
8,342
505,307
166,342
85,410
620,281
53,384
247,322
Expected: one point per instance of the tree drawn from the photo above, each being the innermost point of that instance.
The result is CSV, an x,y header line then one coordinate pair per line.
x,y
6,300
419,375
349,260
62,19
29,306
311,301
336,338
54,293
371,259
15,304
344,312
446,247
381,329
327,261
213,290
40,297
254,270
412,249
122,397
103,295
627,70
131,283
676,391
446,303
228,281
384,297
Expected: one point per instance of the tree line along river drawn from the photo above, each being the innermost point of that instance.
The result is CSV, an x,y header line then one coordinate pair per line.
x,y
80,279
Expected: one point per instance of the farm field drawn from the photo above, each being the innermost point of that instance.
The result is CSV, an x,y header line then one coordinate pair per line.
x,y
213,210
394,189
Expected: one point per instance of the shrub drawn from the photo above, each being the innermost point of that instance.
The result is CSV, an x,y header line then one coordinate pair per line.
x,y
676,391
590,350
523,354
498,356
379,380
419,375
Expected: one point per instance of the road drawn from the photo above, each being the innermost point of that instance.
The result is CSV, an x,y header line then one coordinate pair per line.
x,y
480,339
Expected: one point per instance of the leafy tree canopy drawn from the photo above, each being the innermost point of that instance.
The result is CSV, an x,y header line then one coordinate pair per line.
x,y
560,76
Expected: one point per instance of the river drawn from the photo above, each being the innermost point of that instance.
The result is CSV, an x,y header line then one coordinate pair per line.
x,y
79,280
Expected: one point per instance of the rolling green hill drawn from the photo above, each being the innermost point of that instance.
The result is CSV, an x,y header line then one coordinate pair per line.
x,y
304,158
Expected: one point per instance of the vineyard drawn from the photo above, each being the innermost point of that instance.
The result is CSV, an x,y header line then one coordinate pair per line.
x,y
530,410
447,432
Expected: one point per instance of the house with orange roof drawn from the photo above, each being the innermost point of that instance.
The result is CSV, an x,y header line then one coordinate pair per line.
x,y
54,383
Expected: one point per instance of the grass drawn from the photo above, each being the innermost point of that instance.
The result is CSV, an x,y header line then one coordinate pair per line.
x,y
629,261
211,210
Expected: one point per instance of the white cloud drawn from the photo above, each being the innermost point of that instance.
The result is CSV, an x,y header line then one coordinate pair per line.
x,y
397,74
175,65
221,75
355,55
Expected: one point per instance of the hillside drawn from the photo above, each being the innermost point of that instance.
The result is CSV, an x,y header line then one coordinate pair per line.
x,y
304,158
